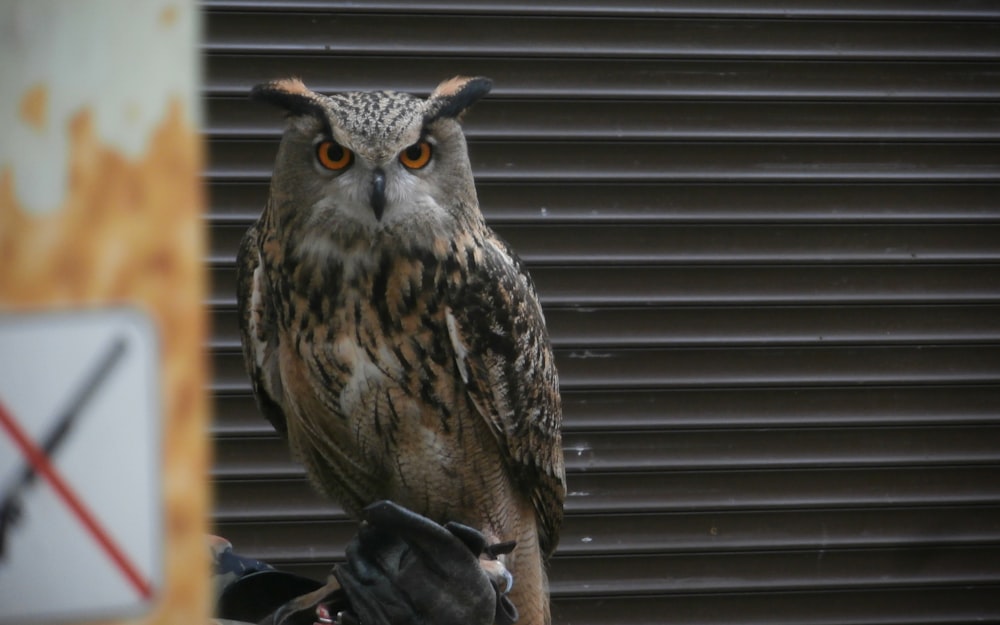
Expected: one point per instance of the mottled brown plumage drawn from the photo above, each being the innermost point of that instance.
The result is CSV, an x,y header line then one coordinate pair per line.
x,y
393,338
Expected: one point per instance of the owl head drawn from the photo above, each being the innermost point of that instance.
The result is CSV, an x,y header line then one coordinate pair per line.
x,y
368,161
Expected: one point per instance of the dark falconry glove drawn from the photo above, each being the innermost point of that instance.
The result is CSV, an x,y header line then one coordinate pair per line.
x,y
401,569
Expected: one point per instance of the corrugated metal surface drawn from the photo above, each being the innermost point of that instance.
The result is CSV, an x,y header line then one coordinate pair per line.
x,y
767,236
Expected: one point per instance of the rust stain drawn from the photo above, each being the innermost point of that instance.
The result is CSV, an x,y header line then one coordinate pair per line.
x,y
35,107
129,232
168,16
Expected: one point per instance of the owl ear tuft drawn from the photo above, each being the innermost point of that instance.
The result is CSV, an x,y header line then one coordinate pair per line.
x,y
290,94
452,97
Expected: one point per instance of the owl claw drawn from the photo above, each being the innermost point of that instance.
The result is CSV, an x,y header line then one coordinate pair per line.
x,y
509,579
499,575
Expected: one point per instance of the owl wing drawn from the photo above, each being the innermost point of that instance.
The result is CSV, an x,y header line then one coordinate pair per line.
x,y
504,356
258,330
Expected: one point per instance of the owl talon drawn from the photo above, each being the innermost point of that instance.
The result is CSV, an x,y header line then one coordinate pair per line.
x,y
499,576
509,579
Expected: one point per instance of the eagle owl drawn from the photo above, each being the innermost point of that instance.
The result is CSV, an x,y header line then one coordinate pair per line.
x,y
391,336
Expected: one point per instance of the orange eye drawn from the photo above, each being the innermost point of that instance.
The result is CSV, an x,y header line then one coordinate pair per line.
x,y
416,156
333,156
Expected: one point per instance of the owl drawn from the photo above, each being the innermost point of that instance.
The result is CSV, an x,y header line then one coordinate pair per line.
x,y
391,336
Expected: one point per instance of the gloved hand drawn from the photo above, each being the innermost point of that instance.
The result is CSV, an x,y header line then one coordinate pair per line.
x,y
404,569
401,569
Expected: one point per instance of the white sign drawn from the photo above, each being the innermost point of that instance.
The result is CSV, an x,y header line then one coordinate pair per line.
x,y
80,511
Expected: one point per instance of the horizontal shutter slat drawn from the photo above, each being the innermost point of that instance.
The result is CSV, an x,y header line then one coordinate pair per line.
x,y
664,409
682,532
646,120
772,571
716,449
679,202
856,9
676,491
954,605
544,36
748,285
740,326
235,74
729,367
645,244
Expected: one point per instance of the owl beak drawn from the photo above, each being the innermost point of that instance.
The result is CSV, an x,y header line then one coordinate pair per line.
x,y
378,193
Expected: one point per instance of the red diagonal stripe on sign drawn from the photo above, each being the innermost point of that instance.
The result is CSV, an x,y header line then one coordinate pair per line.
x,y
45,468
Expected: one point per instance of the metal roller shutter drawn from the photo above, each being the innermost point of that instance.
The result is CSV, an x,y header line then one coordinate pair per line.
x,y
767,236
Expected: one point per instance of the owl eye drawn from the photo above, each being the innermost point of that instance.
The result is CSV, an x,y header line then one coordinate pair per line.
x,y
416,156
333,156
